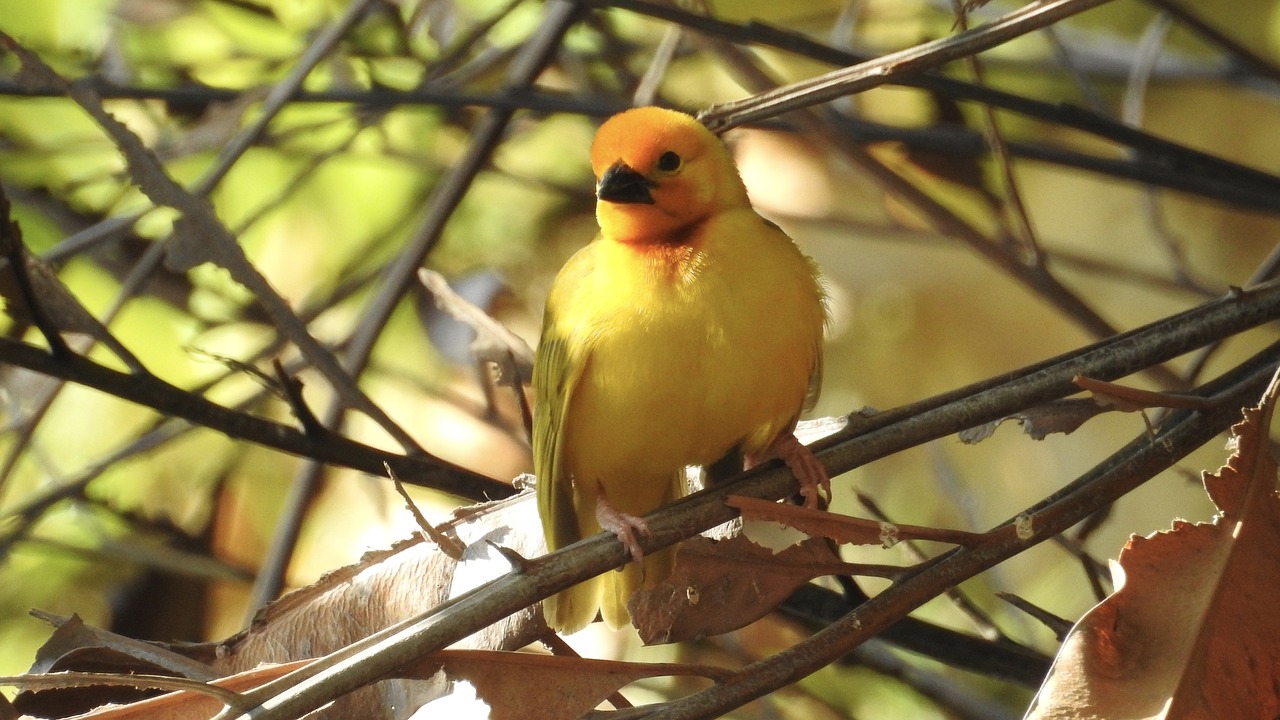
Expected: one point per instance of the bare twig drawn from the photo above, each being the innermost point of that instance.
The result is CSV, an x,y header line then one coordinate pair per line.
x,y
982,621
1128,399
1095,572
448,545
871,73
647,90
291,386
1058,625
1256,62
174,401
73,317
1023,231
282,93
1004,660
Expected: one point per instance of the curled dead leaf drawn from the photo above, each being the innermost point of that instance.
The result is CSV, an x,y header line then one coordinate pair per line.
x,y
528,686
1191,630
721,585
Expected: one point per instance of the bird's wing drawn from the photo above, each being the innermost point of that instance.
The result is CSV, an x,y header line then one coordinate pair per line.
x,y
562,356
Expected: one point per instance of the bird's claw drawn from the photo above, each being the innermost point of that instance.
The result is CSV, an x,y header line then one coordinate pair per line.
x,y
624,526
804,465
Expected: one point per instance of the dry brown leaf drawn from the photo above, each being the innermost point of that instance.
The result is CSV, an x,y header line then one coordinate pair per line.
x,y
843,528
190,705
525,686
1191,631
391,585
387,586
75,646
721,585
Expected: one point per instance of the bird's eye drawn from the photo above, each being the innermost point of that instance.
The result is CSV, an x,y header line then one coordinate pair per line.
x,y
669,162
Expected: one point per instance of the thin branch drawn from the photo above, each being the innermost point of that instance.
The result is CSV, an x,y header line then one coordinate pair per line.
x,y
647,89
1023,231
981,620
1004,660
173,401
41,404
955,697
281,94
450,546
1256,62
441,94
291,386
869,74
1059,626
1088,89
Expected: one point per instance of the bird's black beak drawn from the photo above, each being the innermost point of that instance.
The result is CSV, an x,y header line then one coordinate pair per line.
x,y
621,184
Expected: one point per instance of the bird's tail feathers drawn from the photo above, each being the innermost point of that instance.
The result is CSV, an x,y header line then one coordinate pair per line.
x,y
572,610
620,584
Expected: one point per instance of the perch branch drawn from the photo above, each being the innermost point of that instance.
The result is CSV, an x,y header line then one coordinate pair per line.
x,y
383,652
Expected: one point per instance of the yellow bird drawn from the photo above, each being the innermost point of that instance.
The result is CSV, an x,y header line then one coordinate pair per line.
x,y
689,328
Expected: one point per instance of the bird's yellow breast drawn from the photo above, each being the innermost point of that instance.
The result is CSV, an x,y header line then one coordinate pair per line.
x,y
692,348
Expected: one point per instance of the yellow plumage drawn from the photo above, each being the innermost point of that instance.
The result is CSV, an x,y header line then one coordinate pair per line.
x,y
691,326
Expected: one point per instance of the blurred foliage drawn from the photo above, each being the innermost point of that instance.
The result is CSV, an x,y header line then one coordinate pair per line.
x,y
334,189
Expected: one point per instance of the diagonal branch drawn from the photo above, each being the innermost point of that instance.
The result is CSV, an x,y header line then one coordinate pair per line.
x,y
879,71
166,399
385,651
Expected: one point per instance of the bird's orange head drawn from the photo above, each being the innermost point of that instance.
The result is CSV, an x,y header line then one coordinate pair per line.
x,y
660,172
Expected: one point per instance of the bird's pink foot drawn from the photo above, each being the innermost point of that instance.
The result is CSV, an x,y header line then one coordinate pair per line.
x,y
624,526
810,471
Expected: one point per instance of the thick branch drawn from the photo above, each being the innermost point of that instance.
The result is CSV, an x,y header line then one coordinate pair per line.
x,y
385,651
